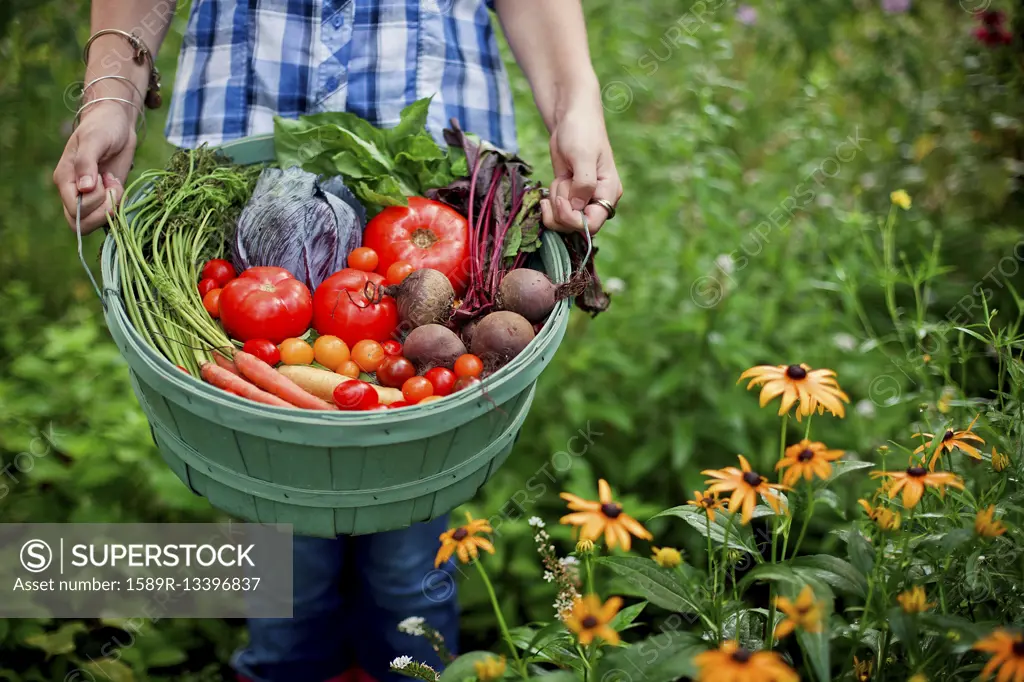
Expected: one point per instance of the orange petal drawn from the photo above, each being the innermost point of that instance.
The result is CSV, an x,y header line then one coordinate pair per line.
x,y
604,491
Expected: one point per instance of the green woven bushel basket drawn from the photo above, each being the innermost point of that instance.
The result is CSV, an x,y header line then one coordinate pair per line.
x,y
337,473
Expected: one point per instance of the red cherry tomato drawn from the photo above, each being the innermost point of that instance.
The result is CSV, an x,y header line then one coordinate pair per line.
x,y
265,349
442,379
394,371
266,303
219,270
363,258
398,271
392,347
468,365
465,382
212,302
425,234
355,396
207,285
398,403
341,308
184,370
416,389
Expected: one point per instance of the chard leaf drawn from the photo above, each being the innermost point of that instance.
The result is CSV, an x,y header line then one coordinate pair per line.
x,y
384,191
412,121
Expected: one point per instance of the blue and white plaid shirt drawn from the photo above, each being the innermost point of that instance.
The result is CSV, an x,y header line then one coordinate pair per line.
x,y
244,61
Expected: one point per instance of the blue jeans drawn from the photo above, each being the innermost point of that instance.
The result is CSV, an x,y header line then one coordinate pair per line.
x,y
349,596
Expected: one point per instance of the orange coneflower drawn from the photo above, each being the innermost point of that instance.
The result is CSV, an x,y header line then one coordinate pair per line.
x,y
1007,649
862,669
807,459
951,440
590,619
914,480
914,600
886,518
605,516
985,525
999,461
803,613
816,389
733,662
709,503
745,486
464,541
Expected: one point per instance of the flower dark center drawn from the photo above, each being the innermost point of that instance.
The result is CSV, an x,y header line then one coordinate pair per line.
x,y
460,534
796,372
611,509
752,478
806,456
946,436
741,655
916,472
589,623
1018,648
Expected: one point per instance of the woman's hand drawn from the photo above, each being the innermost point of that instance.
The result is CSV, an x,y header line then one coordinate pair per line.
x,y
96,161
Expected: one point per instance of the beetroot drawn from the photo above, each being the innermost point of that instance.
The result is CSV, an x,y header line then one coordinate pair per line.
x,y
529,293
432,346
501,336
424,297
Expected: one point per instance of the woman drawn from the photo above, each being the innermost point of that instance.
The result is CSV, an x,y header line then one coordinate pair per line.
x,y
239,67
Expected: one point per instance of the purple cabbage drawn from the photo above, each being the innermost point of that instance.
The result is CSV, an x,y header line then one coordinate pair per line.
x,y
297,221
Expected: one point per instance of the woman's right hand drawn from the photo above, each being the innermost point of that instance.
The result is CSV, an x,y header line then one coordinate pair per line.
x,y
96,161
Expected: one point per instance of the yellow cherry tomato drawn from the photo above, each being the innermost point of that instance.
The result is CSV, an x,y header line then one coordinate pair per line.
x,y
296,352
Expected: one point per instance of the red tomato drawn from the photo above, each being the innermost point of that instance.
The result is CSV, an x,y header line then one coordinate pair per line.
x,y
398,271
465,382
425,234
468,365
394,371
219,270
340,308
363,259
207,285
355,395
264,349
442,379
266,303
212,302
398,403
416,389
392,347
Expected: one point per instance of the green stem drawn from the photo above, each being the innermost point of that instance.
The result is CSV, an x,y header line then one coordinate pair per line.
x,y
807,520
501,618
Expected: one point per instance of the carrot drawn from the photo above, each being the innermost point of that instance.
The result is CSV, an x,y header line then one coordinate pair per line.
x,y
322,383
226,363
224,379
264,376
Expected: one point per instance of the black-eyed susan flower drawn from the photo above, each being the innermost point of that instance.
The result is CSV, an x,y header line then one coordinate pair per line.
x,y
490,669
862,669
918,677
885,518
914,600
589,619
915,479
985,525
807,460
900,198
999,461
584,546
815,389
732,662
949,441
804,612
709,503
464,541
1007,649
666,557
744,485
604,516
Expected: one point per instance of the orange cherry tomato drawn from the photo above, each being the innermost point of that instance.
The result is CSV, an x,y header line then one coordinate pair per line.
x,y
211,301
330,351
363,258
348,369
431,399
398,271
368,354
468,365
416,389
295,352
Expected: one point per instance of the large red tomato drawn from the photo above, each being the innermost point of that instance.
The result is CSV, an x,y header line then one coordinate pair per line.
x,y
265,303
426,234
340,308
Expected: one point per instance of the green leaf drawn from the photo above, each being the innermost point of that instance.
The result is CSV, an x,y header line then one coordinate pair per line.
x,y
525,218
815,646
107,669
964,632
555,676
904,626
462,667
829,498
833,571
842,467
412,121
626,616
417,150
657,585
740,537
861,553
663,657
384,191
60,641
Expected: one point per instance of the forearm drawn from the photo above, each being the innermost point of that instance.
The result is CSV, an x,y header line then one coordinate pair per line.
x,y
112,55
549,41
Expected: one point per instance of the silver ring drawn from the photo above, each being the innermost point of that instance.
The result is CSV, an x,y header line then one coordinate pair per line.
x,y
606,205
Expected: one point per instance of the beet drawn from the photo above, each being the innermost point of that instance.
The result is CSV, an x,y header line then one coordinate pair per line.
x,y
467,331
432,346
424,297
501,336
529,293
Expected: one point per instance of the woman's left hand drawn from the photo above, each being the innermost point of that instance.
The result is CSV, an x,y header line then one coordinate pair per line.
x,y
584,168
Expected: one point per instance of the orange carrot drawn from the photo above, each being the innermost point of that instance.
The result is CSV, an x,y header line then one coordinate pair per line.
x,y
226,363
267,378
224,379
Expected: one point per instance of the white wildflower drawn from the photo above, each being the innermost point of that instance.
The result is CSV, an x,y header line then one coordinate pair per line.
x,y
401,662
615,285
536,522
569,561
548,576
413,625
725,263
865,408
844,341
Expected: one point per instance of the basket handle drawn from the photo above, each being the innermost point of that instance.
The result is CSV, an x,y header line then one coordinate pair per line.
x,y
81,257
